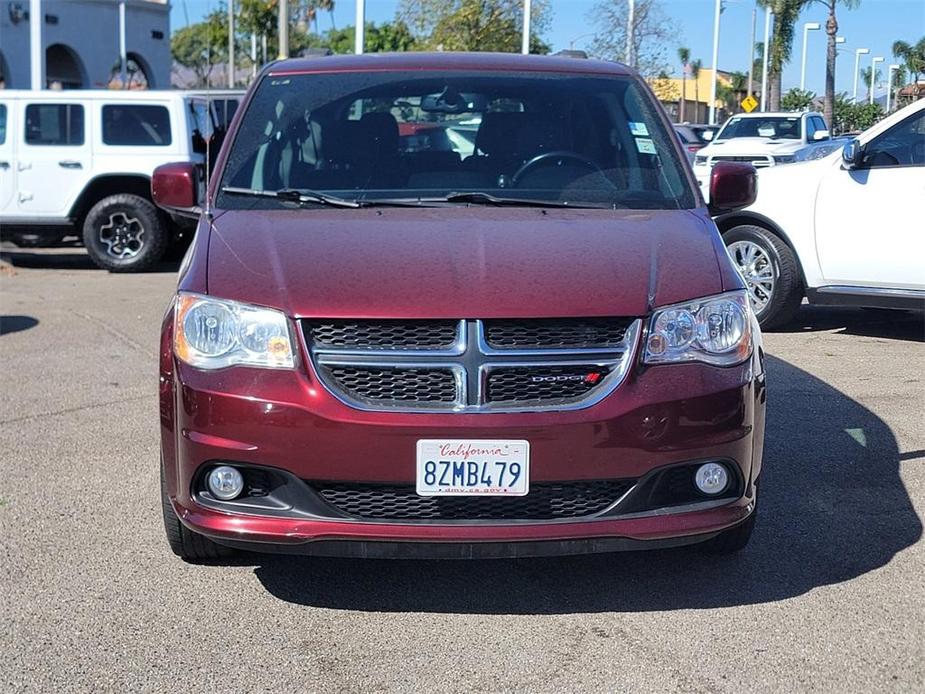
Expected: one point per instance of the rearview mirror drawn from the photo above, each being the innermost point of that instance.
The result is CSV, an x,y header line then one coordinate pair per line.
x,y
820,135
175,187
851,154
733,185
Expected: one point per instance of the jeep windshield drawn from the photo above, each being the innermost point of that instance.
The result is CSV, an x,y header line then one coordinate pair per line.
x,y
772,128
452,138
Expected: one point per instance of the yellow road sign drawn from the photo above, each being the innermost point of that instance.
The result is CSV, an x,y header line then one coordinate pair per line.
x,y
749,103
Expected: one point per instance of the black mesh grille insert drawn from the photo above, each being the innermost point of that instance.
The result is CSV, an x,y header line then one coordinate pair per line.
x,y
556,333
522,384
545,501
395,385
383,334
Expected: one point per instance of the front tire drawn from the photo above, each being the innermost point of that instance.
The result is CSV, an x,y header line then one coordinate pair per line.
x,y
125,233
189,546
771,273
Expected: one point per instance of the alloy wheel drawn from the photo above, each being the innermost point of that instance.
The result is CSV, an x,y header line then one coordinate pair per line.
x,y
757,269
122,236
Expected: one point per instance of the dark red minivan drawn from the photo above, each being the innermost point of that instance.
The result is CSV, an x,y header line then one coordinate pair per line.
x,y
456,305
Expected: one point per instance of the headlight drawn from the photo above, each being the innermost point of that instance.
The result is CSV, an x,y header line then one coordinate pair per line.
x,y
700,160
789,159
213,333
715,330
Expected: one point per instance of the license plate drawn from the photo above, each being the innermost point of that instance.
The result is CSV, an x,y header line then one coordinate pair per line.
x,y
459,467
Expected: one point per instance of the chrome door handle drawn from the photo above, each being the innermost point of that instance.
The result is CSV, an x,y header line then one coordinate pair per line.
x,y
4,164
70,164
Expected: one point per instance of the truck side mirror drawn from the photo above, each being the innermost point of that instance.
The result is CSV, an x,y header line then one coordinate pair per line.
x,y
175,187
851,154
733,185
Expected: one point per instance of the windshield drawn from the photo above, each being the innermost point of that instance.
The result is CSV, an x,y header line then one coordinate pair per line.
x,y
774,128
400,136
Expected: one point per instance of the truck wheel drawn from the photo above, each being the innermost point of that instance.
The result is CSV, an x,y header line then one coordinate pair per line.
x,y
770,271
125,233
186,544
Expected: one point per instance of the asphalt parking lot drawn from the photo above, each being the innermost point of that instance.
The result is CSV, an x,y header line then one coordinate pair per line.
x,y
830,595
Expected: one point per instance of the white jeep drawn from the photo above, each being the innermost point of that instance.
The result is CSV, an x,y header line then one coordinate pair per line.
x,y
80,162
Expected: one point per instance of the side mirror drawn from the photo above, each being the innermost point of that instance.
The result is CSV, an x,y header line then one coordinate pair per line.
x,y
820,135
851,154
733,185
707,135
175,187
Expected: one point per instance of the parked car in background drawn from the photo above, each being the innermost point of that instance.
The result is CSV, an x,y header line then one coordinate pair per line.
x,y
846,229
761,139
79,162
694,136
379,348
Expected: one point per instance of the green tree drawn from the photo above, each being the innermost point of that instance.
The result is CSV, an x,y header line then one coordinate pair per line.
x,y
381,38
786,13
684,55
870,78
831,30
913,57
798,100
474,25
201,46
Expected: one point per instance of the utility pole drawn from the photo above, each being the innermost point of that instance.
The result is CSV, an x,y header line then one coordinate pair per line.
x,y
764,60
36,50
283,29
873,76
808,27
717,11
857,66
360,37
525,43
231,44
751,53
123,52
889,85
631,33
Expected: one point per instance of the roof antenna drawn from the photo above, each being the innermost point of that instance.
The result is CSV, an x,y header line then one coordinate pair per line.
x,y
207,210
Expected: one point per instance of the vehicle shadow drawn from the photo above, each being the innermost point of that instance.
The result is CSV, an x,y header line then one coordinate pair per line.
x,y
832,508
896,325
58,259
15,324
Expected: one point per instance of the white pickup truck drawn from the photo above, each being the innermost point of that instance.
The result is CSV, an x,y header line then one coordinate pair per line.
x,y
80,162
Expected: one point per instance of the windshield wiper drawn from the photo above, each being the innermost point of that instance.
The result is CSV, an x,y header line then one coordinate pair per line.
x,y
478,198
296,196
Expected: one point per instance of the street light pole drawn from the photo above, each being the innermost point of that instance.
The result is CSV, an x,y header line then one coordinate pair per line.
x,y
123,54
36,50
751,54
873,76
630,32
230,44
717,11
889,85
808,27
360,37
857,68
525,43
764,60
283,30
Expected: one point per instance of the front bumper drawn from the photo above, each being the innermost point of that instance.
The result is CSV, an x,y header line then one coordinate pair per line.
x,y
659,417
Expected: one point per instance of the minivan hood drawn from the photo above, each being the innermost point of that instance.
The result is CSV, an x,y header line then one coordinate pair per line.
x,y
463,262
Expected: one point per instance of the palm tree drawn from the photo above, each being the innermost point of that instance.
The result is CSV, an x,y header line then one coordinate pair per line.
x,y
786,13
831,30
913,55
695,75
684,55
870,78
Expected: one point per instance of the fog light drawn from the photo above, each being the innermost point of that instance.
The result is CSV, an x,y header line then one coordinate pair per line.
x,y
226,483
711,478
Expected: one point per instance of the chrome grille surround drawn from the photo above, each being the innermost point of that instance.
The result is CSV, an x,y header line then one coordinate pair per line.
x,y
472,361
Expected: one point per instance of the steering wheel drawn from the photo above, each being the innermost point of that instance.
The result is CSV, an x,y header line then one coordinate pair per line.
x,y
541,159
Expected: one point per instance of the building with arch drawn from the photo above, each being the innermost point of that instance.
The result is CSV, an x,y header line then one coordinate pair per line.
x,y
81,43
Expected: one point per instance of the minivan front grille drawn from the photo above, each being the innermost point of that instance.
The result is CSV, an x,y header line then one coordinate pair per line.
x,y
545,501
472,365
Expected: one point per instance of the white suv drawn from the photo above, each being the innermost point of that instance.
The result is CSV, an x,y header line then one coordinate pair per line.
x,y
760,139
844,229
80,162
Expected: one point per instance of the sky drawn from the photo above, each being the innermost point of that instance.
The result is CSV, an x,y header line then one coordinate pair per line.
x,y
875,24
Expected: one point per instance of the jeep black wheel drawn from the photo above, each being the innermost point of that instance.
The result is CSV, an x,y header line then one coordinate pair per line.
x,y
125,233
